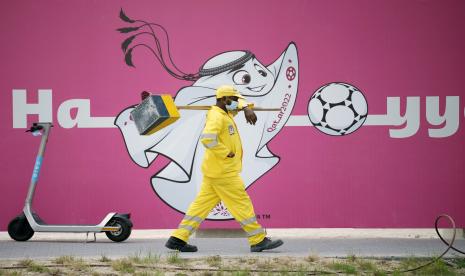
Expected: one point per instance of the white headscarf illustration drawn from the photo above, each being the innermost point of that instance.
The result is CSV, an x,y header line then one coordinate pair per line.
x,y
274,85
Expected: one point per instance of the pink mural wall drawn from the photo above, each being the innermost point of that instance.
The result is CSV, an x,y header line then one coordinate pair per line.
x,y
378,176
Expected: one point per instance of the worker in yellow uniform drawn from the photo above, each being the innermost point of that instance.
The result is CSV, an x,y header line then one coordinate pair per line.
x,y
221,169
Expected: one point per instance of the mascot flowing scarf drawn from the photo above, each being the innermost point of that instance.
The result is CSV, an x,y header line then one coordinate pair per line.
x,y
274,85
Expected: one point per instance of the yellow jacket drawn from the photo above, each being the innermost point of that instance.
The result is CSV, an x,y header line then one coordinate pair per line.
x,y
220,137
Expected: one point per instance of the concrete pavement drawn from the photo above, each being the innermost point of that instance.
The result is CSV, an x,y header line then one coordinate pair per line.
x,y
49,245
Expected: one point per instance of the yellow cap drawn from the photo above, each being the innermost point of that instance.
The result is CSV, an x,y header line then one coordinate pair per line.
x,y
227,90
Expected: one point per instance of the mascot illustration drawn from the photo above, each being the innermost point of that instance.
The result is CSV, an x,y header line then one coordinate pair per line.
x,y
274,85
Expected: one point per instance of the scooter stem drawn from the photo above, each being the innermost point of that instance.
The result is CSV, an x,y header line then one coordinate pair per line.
x,y
38,164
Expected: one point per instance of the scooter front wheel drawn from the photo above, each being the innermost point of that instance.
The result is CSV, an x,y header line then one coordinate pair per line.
x,y
124,229
19,229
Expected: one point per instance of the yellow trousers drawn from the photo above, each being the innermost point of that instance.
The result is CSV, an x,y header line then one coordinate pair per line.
x,y
232,192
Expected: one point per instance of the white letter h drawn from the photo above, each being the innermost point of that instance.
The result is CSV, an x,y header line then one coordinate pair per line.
x,y
21,108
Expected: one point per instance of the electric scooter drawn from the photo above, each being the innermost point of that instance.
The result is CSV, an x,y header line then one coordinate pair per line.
x,y
116,226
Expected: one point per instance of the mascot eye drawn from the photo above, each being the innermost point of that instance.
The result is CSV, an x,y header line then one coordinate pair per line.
x,y
260,70
241,77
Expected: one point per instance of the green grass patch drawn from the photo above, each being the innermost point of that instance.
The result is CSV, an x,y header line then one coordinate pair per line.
x,y
312,258
33,266
265,265
25,262
379,273
459,262
241,273
365,265
174,258
123,265
251,261
104,259
76,264
150,258
440,267
214,261
301,269
342,268
409,263
64,260
352,258
139,264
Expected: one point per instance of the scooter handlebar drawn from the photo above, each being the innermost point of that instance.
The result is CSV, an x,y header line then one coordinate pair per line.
x,y
35,127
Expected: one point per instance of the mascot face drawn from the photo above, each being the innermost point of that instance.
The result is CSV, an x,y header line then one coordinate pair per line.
x,y
251,79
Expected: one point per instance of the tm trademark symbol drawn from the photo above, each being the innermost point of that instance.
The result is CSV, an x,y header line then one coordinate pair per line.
x,y
264,216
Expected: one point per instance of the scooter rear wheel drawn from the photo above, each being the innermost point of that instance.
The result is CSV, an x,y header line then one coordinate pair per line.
x,y
123,233
19,229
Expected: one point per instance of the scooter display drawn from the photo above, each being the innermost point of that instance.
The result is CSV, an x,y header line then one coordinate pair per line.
x,y
116,226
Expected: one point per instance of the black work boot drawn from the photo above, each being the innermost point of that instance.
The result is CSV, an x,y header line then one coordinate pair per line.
x,y
178,244
266,244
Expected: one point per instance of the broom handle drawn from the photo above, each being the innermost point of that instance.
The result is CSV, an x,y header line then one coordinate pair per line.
x,y
207,107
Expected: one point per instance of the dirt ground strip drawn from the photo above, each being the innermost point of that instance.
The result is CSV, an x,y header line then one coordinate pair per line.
x,y
175,264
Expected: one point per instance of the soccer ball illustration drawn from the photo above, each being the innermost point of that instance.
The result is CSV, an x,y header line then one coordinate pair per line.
x,y
337,109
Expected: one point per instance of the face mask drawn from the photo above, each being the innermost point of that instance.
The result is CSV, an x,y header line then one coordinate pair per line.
x,y
232,106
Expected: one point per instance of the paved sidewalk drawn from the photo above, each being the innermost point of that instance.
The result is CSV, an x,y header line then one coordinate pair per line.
x,y
45,245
